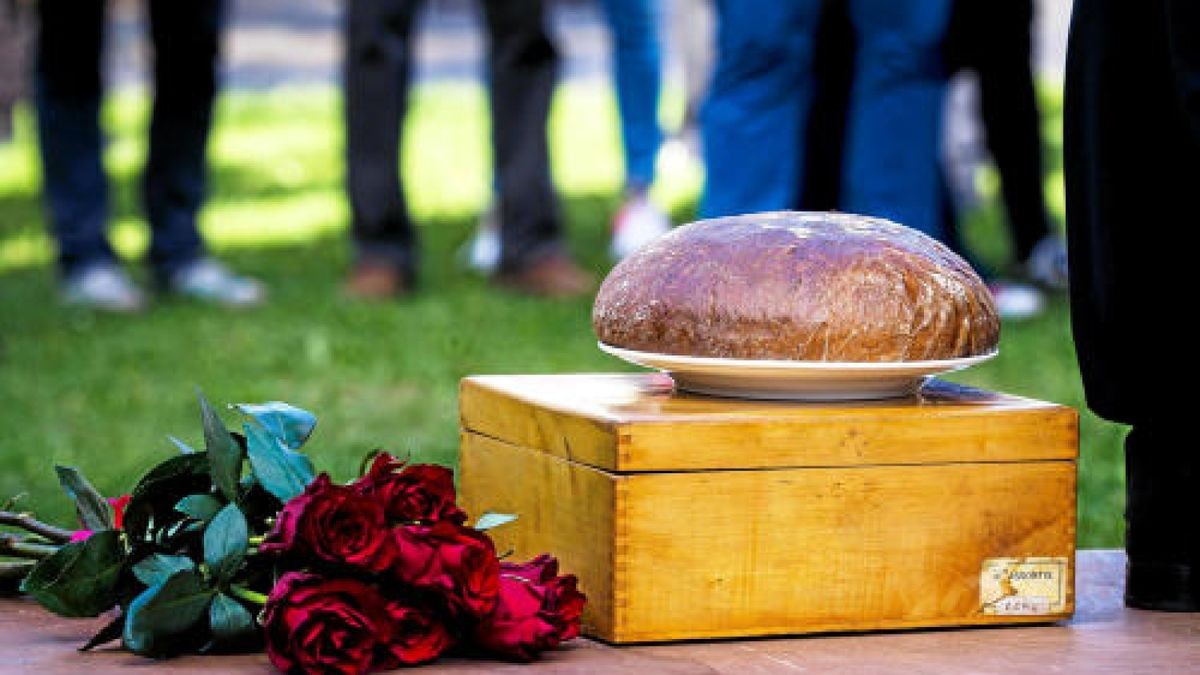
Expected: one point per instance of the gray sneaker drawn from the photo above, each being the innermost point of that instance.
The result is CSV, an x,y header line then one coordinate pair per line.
x,y
104,287
1047,264
209,281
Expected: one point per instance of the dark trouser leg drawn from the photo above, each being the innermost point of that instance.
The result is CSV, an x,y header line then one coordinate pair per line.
x,y
1125,193
67,99
825,136
378,59
186,38
522,68
1162,518
1010,117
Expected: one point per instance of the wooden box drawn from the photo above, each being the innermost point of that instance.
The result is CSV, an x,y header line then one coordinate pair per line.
x,y
693,517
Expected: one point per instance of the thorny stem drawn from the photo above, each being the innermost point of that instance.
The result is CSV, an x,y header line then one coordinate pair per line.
x,y
28,523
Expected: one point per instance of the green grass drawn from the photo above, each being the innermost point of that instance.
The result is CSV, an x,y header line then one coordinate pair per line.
x,y
102,392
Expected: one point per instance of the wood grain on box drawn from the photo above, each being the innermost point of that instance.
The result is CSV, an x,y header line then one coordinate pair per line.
x,y
856,533
633,423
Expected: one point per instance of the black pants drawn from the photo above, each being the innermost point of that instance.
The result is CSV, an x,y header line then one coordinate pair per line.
x,y
1132,159
521,73
67,95
993,39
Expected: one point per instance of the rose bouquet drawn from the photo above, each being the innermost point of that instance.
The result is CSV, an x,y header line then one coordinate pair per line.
x,y
241,545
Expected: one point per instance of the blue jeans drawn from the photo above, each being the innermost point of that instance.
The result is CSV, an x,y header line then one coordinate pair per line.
x,y
638,63
758,103
757,113
67,95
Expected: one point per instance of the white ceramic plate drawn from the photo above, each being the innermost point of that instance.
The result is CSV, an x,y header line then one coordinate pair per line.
x,y
795,380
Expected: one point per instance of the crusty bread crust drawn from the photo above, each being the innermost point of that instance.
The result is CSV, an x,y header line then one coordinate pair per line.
x,y
797,286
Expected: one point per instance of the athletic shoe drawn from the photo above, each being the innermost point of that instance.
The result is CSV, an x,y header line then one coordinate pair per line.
x,y
482,253
209,281
1047,264
638,223
105,287
1016,300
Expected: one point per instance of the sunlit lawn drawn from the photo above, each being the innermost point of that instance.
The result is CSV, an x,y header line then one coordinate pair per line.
x,y
103,392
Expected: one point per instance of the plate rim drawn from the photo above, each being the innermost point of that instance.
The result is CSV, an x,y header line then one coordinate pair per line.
x,y
636,356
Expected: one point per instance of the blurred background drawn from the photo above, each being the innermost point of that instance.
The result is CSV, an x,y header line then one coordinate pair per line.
x,y
102,392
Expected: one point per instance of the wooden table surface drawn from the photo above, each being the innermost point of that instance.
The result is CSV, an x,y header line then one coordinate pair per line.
x,y
1104,637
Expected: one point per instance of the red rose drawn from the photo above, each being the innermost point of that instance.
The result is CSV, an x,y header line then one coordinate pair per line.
x,y
457,562
315,624
413,493
539,570
418,635
334,524
532,616
564,605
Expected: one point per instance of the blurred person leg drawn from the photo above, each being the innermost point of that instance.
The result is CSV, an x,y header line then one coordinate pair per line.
x,y
67,93
522,69
758,105
999,47
1131,146
186,38
67,96
693,29
688,57
824,139
637,63
378,63
15,30
892,145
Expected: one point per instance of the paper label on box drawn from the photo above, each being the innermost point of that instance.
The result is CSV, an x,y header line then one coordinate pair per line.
x,y
1023,586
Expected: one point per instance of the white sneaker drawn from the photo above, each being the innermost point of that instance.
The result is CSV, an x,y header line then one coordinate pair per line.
x,y
1017,301
482,253
105,287
1047,264
210,281
638,223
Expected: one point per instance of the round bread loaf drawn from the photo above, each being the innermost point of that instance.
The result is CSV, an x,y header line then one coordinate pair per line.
x,y
797,286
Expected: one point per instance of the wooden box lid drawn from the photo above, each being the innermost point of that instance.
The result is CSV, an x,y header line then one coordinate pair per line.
x,y
638,422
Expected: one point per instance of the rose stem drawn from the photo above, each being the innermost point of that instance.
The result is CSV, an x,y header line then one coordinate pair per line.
x,y
248,595
29,523
11,544
15,569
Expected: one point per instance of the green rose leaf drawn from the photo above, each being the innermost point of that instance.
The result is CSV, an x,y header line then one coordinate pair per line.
x,y
110,632
224,453
280,471
165,611
156,494
229,620
200,507
489,520
157,567
291,425
94,511
225,542
80,579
